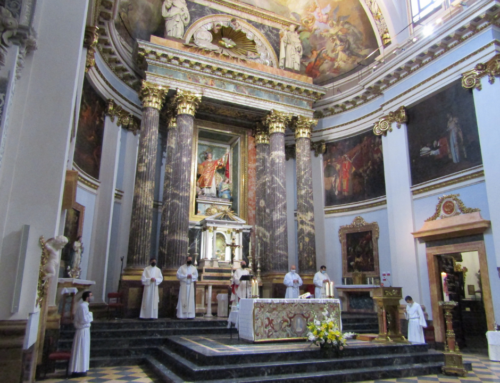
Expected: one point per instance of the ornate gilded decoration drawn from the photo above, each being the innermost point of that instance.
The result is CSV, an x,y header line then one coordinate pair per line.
x,y
380,23
303,126
319,147
472,78
277,121
453,181
125,119
152,95
261,134
90,42
449,206
187,102
384,123
453,362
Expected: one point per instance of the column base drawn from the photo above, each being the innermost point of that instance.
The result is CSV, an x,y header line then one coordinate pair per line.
x,y
453,364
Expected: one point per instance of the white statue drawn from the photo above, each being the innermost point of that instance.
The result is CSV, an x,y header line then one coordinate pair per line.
x,y
290,49
77,257
203,39
53,246
176,16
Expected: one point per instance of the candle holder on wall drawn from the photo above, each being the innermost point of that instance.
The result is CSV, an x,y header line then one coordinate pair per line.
x,y
453,362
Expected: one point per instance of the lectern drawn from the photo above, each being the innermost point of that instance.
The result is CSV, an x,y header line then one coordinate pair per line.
x,y
387,301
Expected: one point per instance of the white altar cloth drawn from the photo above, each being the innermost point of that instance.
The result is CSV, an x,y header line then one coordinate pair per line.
x,y
493,345
266,320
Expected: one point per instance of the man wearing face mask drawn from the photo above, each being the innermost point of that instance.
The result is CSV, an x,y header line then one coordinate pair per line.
x,y
320,280
151,278
292,282
187,275
243,288
80,353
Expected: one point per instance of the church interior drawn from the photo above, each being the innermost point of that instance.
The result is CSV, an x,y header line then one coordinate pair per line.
x,y
360,135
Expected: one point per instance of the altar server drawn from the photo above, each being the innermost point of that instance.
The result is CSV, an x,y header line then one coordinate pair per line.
x,y
320,280
416,321
80,353
292,282
187,275
151,278
243,288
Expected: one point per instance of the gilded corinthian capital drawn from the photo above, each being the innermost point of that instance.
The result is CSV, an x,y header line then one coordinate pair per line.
x,y
384,123
261,134
303,127
472,78
276,121
152,95
187,102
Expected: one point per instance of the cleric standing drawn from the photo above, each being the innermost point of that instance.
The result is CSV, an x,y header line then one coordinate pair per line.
x,y
320,280
80,352
187,275
151,278
292,282
416,321
243,288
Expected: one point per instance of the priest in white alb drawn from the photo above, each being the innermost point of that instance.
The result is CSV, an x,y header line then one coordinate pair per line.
x,y
320,280
292,282
243,288
187,275
151,278
416,321
80,352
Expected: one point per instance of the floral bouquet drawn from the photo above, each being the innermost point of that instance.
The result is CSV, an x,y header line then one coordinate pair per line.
x,y
326,333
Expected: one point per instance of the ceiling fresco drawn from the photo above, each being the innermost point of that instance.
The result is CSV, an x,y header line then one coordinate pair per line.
x,y
336,35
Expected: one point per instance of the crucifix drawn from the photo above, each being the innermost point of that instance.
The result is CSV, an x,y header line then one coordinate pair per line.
x,y
233,246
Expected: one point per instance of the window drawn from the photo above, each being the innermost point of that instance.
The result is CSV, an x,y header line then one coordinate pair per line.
x,y
420,9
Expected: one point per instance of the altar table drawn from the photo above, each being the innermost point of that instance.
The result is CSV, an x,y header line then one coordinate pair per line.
x,y
269,320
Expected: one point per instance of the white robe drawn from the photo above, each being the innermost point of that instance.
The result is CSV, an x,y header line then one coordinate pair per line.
x,y
243,288
150,296
416,323
80,352
186,306
292,289
319,289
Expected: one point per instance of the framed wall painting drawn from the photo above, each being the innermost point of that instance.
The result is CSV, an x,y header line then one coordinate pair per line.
x,y
359,242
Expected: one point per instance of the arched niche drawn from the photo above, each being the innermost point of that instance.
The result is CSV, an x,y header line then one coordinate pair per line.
x,y
207,25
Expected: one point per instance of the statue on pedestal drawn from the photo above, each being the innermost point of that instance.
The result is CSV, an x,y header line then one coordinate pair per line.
x,y
176,16
290,49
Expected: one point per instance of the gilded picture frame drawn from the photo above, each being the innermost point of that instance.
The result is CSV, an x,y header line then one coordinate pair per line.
x,y
359,242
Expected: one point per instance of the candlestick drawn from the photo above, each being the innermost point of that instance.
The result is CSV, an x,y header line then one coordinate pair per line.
x,y
444,284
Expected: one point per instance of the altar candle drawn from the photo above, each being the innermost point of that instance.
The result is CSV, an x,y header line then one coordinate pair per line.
x,y
445,287
332,291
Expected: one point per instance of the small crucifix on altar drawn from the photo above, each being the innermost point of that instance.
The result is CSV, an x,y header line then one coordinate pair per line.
x,y
233,247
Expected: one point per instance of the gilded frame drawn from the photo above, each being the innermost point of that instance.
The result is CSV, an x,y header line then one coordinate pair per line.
x,y
227,129
359,226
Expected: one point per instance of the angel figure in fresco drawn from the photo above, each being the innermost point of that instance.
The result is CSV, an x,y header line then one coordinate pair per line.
x,y
209,177
176,16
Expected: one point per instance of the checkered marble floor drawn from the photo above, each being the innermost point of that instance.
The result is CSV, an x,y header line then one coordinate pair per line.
x,y
120,374
483,371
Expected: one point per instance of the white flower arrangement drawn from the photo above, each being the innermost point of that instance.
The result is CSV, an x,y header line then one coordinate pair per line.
x,y
326,333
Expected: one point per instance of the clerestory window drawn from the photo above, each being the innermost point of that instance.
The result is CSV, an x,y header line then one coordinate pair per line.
x,y
420,9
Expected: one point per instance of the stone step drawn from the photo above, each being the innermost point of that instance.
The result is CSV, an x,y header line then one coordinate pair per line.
x,y
148,333
159,323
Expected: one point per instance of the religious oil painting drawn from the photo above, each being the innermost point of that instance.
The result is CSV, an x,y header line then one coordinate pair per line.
x,y
442,134
353,169
90,132
359,242
218,170
73,230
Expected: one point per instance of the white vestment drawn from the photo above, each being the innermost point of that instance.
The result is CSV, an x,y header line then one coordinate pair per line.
x,y
80,353
416,323
150,296
186,307
243,288
319,289
292,288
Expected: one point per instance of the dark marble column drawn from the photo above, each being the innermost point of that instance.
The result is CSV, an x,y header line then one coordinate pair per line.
x,y
167,190
305,204
277,257
262,221
178,225
152,97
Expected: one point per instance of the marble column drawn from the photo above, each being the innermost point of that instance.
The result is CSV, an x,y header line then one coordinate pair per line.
x,y
152,97
278,248
178,226
167,190
305,204
262,222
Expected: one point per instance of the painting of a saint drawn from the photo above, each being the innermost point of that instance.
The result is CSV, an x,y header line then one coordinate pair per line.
x,y
360,252
213,175
353,169
442,134
90,131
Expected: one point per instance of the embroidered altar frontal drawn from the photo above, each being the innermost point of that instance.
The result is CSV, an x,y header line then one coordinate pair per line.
x,y
269,320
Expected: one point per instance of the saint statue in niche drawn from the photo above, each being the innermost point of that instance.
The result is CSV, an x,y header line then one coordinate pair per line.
x,y
213,176
290,49
176,16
